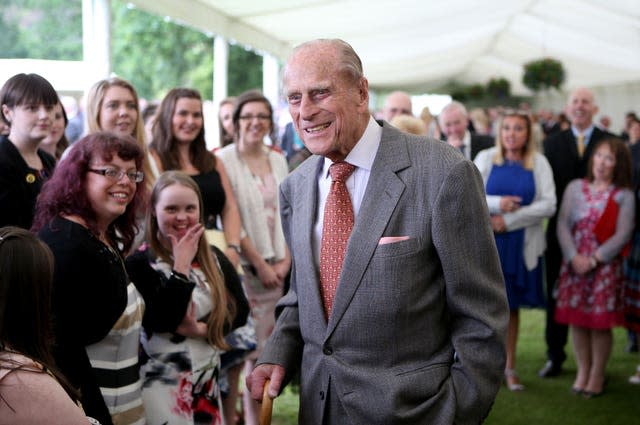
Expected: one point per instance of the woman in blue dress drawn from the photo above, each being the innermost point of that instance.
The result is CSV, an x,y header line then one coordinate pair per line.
x,y
520,195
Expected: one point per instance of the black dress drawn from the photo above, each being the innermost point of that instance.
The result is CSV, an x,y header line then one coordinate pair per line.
x,y
213,196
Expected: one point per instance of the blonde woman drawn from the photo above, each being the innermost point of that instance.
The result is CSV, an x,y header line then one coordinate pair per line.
x,y
520,195
113,105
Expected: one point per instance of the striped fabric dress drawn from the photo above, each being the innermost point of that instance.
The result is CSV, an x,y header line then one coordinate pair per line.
x,y
115,363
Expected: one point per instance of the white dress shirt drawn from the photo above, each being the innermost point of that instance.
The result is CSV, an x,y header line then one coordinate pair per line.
x,y
362,156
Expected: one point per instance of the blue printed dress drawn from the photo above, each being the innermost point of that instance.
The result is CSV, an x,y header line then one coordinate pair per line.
x,y
524,287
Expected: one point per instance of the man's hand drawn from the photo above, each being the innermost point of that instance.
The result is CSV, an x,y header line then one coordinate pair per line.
x,y
255,381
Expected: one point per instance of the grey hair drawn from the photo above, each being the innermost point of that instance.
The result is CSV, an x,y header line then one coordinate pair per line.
x,y
349,61
455,105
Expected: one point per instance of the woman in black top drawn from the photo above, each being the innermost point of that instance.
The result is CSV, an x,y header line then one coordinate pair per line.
x,y
27,102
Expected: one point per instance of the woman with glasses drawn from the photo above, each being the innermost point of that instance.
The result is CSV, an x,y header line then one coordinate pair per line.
x,y
179,144
255,171
520,195
27,102
86,215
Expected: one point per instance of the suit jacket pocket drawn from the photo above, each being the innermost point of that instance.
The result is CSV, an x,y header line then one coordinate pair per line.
x,y
397,249
417,386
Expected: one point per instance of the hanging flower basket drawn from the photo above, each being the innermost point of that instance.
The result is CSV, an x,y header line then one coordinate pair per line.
x,y
543,74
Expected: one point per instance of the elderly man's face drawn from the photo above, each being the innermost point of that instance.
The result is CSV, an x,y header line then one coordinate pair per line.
x,y
326,107
396,104
453,124
581,108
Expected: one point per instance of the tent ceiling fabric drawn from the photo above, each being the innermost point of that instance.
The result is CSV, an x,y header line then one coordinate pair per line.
x,y
420,45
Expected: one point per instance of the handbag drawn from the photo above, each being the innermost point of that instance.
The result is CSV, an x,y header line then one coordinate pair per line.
x,y
606,225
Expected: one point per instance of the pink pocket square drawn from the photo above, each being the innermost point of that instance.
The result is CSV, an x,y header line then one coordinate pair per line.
x,y
392,239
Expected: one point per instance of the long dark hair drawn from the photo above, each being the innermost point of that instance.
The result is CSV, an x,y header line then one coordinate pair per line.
x,y
223,308
65,192
26,274
164,142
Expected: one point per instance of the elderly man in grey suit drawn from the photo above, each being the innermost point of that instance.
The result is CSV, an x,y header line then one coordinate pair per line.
x,y
412,329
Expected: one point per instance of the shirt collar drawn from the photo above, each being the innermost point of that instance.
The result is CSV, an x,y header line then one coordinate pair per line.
x,y
586,133
364,152
466,140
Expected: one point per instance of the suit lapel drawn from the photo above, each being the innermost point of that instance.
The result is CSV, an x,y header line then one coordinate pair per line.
x,y
382,194
305,209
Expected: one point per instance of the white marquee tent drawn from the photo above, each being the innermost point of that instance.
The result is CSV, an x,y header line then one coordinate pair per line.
x,y
421,44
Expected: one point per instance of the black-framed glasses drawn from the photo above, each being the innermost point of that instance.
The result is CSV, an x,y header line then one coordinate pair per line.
x,y
116,175
259,117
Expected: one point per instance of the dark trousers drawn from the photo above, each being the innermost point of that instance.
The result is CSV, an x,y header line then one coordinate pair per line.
x,y
555,334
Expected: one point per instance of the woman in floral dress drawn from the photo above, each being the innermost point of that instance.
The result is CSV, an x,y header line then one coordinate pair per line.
x,y
180,376
589,293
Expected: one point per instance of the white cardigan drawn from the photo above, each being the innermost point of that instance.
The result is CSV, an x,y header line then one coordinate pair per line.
x,y
249,199
530,217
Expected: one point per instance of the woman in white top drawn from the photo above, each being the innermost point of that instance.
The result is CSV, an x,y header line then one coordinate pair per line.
x,y
255,172
520,195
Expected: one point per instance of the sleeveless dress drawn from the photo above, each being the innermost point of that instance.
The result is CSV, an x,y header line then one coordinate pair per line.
x,y
592,301
213,196
180,377
524,287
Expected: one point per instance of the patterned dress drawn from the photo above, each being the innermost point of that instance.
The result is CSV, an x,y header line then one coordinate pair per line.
x,y
115,363
263,300
592,301
180,377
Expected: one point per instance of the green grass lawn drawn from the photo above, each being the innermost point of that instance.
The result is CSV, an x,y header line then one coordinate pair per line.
x,y
544,401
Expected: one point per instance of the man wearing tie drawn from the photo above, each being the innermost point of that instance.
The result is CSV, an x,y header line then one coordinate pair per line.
x,y
454,124
568,153
388,318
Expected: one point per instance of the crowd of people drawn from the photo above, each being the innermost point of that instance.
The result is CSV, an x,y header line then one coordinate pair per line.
x,y
142,273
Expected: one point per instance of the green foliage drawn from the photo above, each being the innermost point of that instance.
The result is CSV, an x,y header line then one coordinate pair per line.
x,y
544,401
543,74
499,88
41,29
496,91
157,55
153,53
245,70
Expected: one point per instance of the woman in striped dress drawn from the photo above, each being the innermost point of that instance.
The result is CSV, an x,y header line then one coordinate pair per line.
x,y
86,215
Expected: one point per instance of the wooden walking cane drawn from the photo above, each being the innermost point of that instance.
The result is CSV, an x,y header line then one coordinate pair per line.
x,y
267,405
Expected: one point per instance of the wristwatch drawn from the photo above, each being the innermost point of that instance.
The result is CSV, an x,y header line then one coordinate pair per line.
x,y
235,247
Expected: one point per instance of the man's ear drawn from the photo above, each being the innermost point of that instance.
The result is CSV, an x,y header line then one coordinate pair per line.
x,y
363,92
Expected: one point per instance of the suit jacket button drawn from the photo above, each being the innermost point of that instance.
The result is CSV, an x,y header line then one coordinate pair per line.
x,y
327,351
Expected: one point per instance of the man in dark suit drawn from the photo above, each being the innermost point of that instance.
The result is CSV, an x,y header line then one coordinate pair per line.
x,y
414,330
563,151
454,123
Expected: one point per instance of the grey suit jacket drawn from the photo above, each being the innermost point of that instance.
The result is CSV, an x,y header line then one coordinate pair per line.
x,y
417,331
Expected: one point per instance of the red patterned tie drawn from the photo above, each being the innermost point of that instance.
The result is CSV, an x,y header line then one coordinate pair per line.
x,y
338,222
